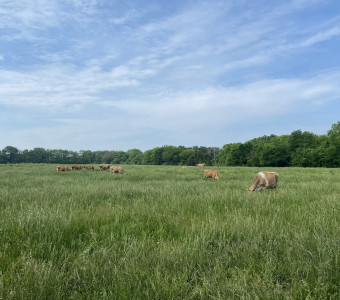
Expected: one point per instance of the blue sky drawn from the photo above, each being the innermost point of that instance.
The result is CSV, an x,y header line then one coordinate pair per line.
x,y
117,75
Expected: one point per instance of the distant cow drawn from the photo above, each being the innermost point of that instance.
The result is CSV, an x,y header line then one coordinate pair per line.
x,y
211,174
263,181
62,169
201,165
89,168
115,169
104,167
76,167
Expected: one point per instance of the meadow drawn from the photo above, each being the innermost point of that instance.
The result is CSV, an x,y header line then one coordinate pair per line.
x,y
161,232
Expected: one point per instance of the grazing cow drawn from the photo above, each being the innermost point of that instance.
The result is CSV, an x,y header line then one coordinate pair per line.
x,y
62,169
211,174
263,181
104,167
115,169
76,167
201,165
89,168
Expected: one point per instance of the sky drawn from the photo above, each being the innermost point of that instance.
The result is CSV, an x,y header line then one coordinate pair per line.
x,y
117,75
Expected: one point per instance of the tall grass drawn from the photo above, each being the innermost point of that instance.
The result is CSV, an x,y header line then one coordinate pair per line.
x,y
167,233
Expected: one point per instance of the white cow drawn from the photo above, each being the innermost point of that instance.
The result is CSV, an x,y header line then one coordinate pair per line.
x,y
264,180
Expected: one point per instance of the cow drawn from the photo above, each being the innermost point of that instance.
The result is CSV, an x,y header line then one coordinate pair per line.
x,y
211,174
104,167
201,165
264,180
76,167
115,169
62,169
89,168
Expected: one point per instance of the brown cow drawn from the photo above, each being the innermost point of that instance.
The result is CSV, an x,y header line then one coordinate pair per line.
x,y
76,167
104,167
89,168
211,174
201,165
62,169
263,181
115,169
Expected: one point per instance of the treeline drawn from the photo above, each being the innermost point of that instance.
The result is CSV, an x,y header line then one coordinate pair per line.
x,y
300,149
166,155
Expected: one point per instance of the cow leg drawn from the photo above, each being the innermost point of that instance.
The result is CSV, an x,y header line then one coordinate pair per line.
x,y
259,188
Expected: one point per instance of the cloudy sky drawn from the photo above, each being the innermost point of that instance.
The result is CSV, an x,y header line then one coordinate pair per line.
x,y
117,75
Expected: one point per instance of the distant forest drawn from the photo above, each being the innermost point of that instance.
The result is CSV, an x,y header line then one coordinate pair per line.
x,y
299,149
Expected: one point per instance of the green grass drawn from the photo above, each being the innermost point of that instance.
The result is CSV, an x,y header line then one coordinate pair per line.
x,y
168,233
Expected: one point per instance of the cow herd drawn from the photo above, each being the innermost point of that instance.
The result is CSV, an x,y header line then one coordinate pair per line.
x,y
262,181
113,169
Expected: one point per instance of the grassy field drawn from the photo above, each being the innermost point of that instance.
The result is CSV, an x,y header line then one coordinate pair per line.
x,y
160,232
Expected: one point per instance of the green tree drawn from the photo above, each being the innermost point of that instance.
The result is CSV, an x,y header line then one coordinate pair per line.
x,y
302,146
3,159
299,139
105,157
61,156
234,154
147,157
119,157
24,156
332,152
212,155
86,157
156,156
255,148
9,154
306,157
275,153
38,155
170,155
135,157
187,157
202,155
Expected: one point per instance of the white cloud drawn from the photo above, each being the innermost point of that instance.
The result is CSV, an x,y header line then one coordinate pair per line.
x,y
28,14
199,117
321,36
170,72
192,111
126,18
57,86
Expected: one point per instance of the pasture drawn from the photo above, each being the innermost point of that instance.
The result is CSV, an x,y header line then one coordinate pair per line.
x,y
162,232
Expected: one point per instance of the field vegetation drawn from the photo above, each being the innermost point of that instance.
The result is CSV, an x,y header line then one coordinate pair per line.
x,y
162,232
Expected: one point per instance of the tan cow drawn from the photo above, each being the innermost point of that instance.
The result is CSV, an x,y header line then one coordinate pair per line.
x,y
104,167
264,180
89,168
211,174
201,165
115,169
62,169
76,167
